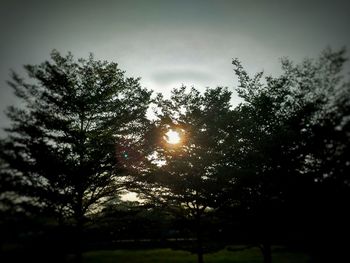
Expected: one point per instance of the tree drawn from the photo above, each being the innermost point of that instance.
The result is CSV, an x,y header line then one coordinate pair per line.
x,y
263,162
132,221
60,152
295,128
185,177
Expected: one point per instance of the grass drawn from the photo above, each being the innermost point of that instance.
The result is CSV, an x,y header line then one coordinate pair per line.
x,y
252,255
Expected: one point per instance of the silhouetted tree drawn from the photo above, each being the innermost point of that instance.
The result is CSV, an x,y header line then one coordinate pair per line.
x,y
185,177
122,221
295,130
60,152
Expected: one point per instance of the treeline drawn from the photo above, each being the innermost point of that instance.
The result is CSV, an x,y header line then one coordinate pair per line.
x,y
272,170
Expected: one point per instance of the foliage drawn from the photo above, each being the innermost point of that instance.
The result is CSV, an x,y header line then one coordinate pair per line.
x,y
185,176
273,169
296,130
59,157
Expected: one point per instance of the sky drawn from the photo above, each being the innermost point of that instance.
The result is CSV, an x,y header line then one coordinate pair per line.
x,y
170,43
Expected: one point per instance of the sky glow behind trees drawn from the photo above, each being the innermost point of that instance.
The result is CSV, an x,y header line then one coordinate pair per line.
x,y
169,43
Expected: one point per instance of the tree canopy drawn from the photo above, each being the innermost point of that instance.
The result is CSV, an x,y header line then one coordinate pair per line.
x,y
60,153
274,169
185,175
296,129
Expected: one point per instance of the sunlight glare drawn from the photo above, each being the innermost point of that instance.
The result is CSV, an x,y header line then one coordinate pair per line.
x,y
173,137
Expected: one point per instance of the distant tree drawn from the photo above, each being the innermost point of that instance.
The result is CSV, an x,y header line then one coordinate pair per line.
x,y
60,153
185,177
132,221
295,130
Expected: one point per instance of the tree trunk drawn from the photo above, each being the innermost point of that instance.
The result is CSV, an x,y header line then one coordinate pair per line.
x,y
78,256
79,229
78,249
266,251
200,250
199,240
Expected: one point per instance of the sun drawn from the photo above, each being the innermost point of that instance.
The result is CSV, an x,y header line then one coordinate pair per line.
x,y
172,137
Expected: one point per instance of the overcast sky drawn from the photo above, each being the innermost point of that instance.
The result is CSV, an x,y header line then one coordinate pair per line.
x,y
169,43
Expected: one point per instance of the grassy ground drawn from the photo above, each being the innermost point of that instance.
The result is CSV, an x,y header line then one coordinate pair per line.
x,y
171,256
